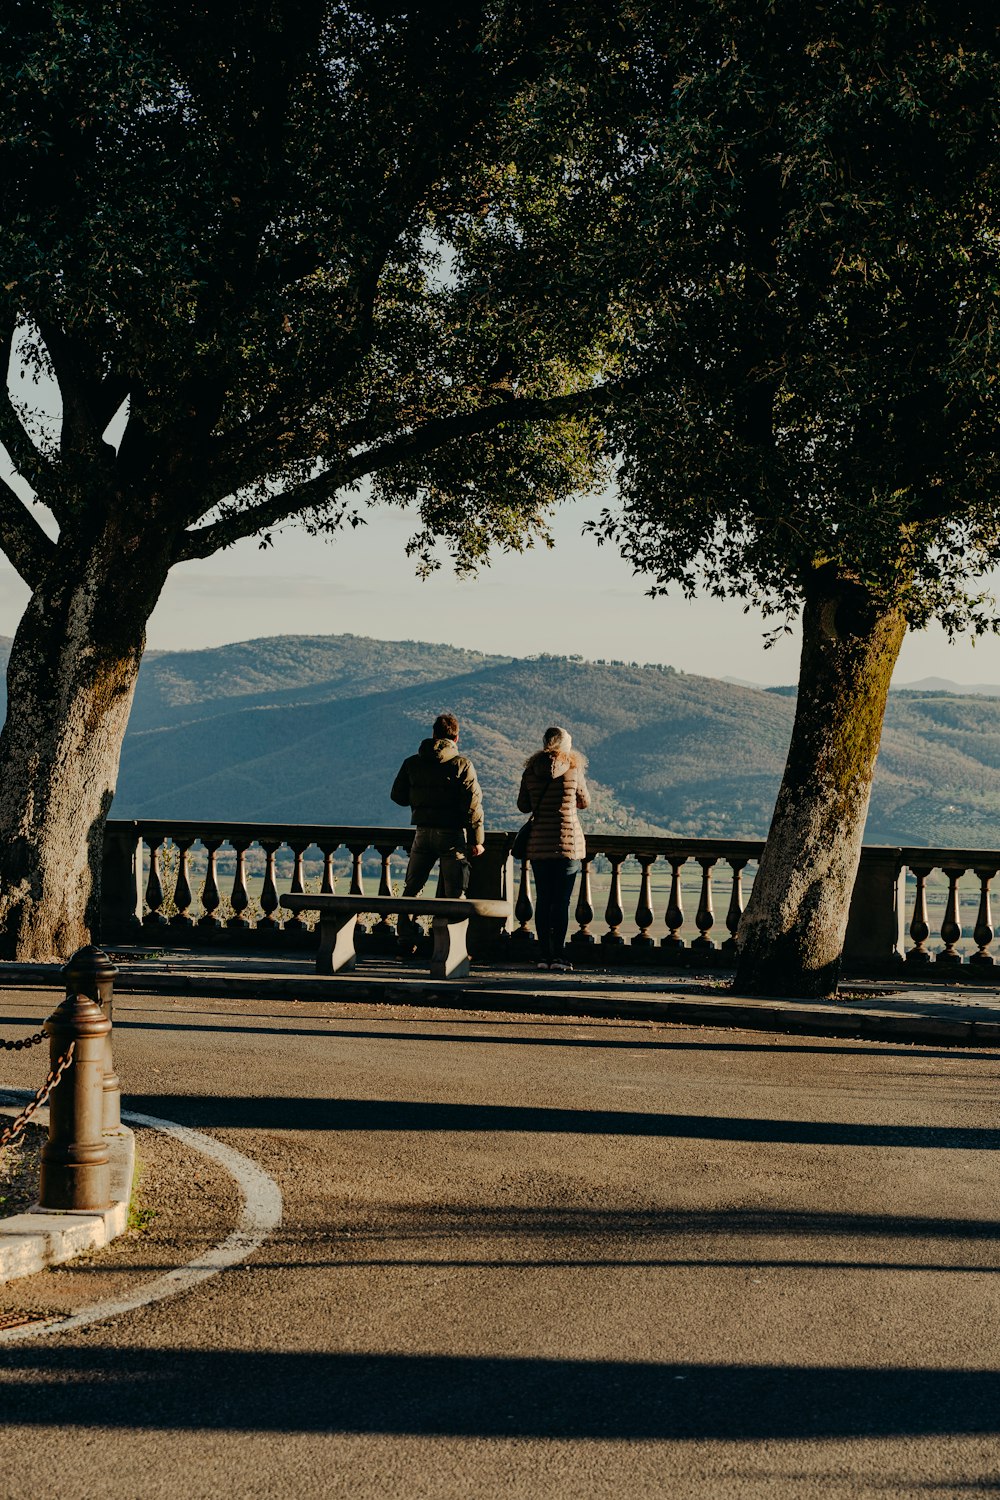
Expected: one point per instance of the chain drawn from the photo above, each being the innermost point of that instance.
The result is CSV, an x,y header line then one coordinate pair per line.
x,y
23,1041
40,1098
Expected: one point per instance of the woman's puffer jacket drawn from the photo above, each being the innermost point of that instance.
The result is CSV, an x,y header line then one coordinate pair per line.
x,y
553,786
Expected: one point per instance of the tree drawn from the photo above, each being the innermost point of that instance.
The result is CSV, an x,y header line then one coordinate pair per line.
x,y
228,224
792,208
817,210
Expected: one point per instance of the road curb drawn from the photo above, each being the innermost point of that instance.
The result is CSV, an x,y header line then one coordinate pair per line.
x,y
44,1237
812,1018
837,1018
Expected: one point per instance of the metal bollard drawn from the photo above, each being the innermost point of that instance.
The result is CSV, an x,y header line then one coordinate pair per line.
x,y
90,972
75,1158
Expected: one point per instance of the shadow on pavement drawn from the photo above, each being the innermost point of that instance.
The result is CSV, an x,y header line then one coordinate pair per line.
x,y
513,1237
241,1112
488,1397
637,1228
884,1050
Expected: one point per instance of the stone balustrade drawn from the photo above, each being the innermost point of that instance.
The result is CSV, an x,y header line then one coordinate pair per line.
x,y
671,935
210,884
966,910
640,900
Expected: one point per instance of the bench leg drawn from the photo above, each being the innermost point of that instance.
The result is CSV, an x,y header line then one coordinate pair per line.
x,y
336,953
450,959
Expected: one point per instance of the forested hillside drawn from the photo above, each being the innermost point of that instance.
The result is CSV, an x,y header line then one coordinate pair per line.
x,y
313,728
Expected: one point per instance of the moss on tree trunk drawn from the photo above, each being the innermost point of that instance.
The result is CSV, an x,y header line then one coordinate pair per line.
x,y
792,934
70,681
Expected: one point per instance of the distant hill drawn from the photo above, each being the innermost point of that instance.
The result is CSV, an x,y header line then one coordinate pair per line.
x,y
953,689
329,752
313,728
276,670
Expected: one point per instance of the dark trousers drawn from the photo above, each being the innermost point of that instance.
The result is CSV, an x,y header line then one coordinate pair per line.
x,y
554,882
447,845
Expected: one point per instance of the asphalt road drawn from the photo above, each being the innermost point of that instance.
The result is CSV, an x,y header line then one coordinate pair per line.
x,y
536,1258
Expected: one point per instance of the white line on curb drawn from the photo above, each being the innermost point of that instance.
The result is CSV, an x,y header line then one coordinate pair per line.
x,y
261,1214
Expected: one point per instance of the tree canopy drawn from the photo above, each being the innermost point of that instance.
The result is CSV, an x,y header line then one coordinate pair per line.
x,y
231,218
789,211
815,233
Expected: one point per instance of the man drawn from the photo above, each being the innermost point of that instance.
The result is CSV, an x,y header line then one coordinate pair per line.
x,y
442,789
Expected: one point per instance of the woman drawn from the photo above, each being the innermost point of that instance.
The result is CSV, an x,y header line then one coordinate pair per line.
x,y
553,786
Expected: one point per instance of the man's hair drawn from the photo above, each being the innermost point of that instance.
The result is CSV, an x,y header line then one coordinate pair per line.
x,y
446,727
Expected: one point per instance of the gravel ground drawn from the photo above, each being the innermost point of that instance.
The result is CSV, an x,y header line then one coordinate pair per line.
x,y
182,1203
19,1166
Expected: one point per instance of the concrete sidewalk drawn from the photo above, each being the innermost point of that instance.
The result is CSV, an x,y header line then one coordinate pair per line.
x,y
891,1010
48,1237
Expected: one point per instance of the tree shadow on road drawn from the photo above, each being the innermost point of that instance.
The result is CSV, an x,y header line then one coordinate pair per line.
x,y
309,1112
637,1043
443,1395
526,1237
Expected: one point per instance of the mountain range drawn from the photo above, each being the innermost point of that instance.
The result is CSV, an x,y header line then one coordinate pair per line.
x,y
313,728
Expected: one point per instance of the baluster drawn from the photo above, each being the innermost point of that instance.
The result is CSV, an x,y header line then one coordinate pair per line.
x,y
614,912
644,914
154,889
210,890
951,927
523,909
735,912
675,907
357,888
383,934
584,913
705,915
984,931
294,923
920,929
329,884
182,886
239,899
269,890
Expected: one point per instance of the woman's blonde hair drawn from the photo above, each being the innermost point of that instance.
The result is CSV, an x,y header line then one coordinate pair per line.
x,y
557,739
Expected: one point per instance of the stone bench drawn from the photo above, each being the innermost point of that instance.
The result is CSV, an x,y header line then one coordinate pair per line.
x,y
338,917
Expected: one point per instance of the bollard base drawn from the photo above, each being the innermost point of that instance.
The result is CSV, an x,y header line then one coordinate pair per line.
x,y
85,1188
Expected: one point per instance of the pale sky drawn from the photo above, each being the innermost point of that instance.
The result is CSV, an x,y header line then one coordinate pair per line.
x,y
574,599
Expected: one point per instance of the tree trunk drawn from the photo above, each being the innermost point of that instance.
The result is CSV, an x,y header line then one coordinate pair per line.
x,y
70,681
792,934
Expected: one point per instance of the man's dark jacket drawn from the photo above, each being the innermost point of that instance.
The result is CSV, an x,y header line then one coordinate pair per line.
x,y
441,787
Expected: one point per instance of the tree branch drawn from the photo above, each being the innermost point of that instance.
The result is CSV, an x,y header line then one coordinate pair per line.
x,y
82,386
425,152
21,537
202,541
26,458
110,395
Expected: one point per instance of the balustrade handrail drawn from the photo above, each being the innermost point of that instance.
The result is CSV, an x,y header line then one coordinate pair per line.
x,y
666,844
198,829
938,857
252,832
